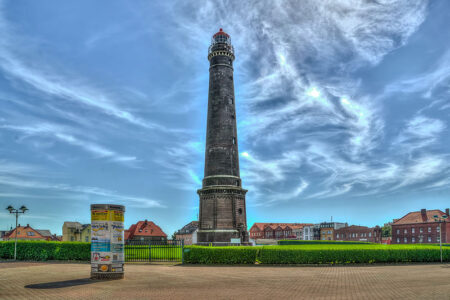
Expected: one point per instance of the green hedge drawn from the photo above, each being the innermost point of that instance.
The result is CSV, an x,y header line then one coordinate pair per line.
x,y
42,250
314,254
320,242
342,254
220,255
295,254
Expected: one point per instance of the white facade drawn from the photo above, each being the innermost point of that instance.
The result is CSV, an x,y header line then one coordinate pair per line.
x,y
308,233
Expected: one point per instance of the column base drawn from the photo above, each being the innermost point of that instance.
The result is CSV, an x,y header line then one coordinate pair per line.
x,y
107,275
217,236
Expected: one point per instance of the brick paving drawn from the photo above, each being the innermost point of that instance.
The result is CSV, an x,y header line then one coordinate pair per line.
x,y
430,281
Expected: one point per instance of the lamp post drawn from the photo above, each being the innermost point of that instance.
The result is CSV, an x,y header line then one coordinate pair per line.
x,y
440,220
12,210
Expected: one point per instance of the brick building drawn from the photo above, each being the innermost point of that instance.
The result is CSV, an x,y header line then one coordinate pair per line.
x,y
188,233
144,231
277,231
358,233
420,227
27,233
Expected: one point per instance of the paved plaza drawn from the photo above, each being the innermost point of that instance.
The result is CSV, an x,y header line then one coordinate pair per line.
x,y
70,281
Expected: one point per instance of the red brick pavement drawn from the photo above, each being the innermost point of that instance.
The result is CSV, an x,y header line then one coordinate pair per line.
x,y
228,282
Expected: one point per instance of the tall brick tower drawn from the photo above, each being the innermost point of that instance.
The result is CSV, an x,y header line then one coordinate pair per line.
x,y
222,198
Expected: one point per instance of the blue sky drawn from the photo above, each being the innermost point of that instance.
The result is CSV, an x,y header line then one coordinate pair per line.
x,y
342,107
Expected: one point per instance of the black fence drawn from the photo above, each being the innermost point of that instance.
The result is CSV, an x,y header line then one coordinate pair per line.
x,y
154,251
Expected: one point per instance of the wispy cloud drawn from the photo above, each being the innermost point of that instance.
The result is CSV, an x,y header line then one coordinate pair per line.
x,y
25,182
62,134
419,133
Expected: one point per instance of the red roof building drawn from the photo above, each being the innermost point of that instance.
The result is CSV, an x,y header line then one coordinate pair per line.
x,y
421,227
358,233
27,233
144,231
277,231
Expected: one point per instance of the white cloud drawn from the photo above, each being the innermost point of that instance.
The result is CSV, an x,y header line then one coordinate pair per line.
x,y
64,134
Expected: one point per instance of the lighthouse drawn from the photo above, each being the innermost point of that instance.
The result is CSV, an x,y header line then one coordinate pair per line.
x,y
222,217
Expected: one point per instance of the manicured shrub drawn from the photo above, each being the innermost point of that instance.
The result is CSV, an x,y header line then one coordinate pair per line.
x,y
42,250
320,242
343,254
220,255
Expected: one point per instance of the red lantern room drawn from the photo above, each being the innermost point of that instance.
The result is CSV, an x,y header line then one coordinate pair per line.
x,y
221,41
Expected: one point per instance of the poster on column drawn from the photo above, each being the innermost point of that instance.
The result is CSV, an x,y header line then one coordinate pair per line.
x,y
100,237
107,238
117,236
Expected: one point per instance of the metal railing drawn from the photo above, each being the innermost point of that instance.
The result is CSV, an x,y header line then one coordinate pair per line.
x,y
223,244
154,251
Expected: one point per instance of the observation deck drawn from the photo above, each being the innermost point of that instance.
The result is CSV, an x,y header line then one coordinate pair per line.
x,y
221,45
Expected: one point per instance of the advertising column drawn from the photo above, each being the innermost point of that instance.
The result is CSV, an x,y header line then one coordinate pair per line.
x,y
107,241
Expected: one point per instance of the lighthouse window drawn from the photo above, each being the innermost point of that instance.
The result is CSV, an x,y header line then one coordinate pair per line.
x,y
234,141
240,211
230,101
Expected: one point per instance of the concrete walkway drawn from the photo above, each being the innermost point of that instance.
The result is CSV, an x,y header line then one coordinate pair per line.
x,y
70,281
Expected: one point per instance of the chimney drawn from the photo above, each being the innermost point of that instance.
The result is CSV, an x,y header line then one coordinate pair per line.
x,y
447,212
423,212
28,225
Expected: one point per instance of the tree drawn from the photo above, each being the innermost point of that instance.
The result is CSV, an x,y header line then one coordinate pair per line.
x,y
174,236
386,230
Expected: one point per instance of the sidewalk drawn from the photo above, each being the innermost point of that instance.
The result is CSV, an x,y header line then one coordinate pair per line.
x,y
27,280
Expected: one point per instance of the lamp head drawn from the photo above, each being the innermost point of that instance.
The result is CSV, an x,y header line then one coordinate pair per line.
x,y
10,208
23,208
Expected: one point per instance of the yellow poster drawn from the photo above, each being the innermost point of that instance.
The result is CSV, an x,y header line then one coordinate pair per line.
x,y
116,215
100,215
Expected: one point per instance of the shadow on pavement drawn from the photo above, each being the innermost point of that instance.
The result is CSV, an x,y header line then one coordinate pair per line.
x,y
61,284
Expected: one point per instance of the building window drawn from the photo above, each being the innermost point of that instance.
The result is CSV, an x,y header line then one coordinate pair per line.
x,y
398,240
71,238
413,230
437,229
398,231
405,231
405,240
337,235
86,239
413,240
429,229
30,233
429,239
421,229
370,234
438,239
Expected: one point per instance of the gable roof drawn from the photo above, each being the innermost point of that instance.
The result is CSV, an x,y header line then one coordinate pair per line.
x,y
143,229
273,226
44,232
21,233
417,217
188,228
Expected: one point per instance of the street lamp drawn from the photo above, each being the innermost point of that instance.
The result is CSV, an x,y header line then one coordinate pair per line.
x,y
12,210
440,220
